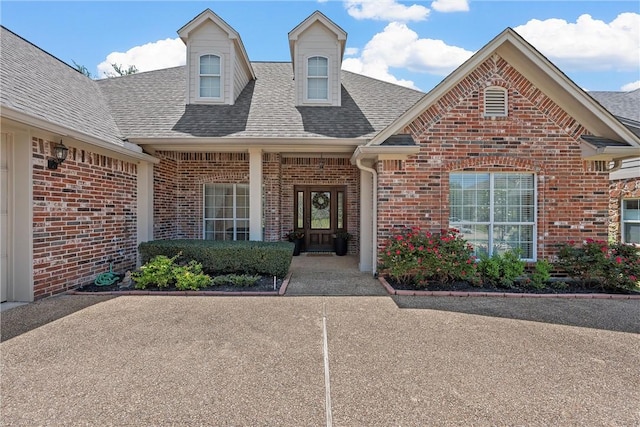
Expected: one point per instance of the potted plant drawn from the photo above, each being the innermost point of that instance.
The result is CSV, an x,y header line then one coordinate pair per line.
x,y
341,242
297,237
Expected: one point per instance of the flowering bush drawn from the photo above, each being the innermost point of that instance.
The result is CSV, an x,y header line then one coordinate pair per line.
x,y
416,257
615,265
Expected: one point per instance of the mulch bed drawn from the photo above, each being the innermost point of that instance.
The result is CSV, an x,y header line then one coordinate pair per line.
x,y
265,284
570,287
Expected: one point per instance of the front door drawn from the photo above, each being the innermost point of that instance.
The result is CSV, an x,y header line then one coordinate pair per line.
x,y
320,212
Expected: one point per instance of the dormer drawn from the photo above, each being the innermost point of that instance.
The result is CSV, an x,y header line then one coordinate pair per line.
x,y
317,46
218,67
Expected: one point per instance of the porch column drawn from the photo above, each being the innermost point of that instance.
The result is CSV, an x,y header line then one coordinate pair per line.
x,y
255,193
145,202
366,221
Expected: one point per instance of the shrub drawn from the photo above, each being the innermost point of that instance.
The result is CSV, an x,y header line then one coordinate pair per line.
x,y
191,277
158,272
614,266
237,280
541,274
226,257
162,272
417,257
501,270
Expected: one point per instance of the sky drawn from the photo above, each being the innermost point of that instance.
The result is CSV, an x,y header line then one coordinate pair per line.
x,y
411,43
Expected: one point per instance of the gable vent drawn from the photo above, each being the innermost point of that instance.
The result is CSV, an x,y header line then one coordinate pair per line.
x,y
495,102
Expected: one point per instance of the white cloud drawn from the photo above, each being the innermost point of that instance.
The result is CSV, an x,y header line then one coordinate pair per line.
x,y
631,86
587,44
397,46
450,5
385,10
350,51
151,56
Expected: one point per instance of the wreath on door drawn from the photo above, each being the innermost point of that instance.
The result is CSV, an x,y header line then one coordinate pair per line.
x,y
320,201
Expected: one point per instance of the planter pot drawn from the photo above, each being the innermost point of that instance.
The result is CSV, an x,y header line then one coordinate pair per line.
x,y
298,246
341,246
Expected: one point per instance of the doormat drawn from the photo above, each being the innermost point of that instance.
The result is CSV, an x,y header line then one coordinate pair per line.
x,y
320,254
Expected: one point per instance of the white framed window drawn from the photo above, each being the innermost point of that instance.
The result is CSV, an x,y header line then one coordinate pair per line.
x,y
226,212
495,212
318,78
495,102
210,77
631,221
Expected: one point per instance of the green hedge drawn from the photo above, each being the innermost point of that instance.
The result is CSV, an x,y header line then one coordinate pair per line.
x,y
220,257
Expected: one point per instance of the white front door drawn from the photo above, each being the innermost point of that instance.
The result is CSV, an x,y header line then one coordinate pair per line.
x,y
5,237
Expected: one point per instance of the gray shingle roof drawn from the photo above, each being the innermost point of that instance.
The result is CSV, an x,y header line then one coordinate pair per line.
x,y
621,104
152,105
39,85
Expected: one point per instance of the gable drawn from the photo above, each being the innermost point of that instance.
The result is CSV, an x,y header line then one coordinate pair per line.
x,y
317,39
209,35
547,88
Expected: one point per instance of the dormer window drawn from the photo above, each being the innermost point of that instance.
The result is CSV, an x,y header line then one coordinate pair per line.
x,y
495,102
210,77
318,78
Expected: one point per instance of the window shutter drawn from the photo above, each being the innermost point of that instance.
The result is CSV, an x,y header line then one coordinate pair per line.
x,y
495,102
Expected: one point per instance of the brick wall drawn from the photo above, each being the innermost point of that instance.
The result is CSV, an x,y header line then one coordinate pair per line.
x,y
536,136
335,171
84,215
180,178
619,190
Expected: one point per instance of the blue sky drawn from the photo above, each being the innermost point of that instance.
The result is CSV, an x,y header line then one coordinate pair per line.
x,y
413,43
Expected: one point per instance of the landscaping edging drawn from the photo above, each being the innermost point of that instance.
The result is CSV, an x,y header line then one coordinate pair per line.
x,y
401,292
279,292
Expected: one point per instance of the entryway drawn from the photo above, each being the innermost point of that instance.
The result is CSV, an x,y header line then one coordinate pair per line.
x,y
320,211
328,274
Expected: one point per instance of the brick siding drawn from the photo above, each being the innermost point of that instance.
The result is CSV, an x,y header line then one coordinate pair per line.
x,y
536,136
618,191
180,177
84,215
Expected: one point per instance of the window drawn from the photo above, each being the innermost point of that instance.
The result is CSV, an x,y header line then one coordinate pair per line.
x,y
226,211
495,212
210,76
631,221
495,102
318,78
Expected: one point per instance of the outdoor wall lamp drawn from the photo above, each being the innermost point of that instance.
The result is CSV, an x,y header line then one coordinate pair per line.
x,y
59,155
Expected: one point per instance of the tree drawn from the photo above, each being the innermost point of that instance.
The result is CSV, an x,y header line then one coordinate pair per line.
x,y
120,71
81,68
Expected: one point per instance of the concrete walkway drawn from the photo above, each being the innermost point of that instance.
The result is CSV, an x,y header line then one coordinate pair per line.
x,y
328,274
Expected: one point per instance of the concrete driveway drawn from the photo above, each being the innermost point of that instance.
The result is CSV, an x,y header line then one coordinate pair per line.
x,y
313,361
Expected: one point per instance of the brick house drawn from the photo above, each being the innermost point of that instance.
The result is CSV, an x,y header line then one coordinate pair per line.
x,y
506,148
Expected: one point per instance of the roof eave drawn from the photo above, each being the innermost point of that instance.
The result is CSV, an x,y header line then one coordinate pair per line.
x,y
608,153
384,152
123,147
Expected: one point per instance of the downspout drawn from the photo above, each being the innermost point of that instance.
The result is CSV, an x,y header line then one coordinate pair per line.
x,y
374,233
617,164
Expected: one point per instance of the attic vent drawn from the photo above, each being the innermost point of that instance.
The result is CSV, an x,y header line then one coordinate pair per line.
x,y
495,102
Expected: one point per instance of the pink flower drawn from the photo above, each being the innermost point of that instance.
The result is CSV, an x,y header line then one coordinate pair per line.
x,y
618,260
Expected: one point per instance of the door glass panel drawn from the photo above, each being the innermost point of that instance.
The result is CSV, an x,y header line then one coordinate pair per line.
x,y
300,209
340,209
320,210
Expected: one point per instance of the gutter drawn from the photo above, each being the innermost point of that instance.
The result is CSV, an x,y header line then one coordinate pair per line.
x,y
374,233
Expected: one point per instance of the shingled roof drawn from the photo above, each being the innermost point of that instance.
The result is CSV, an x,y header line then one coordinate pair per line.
x,y
37,85
621,104
152,105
